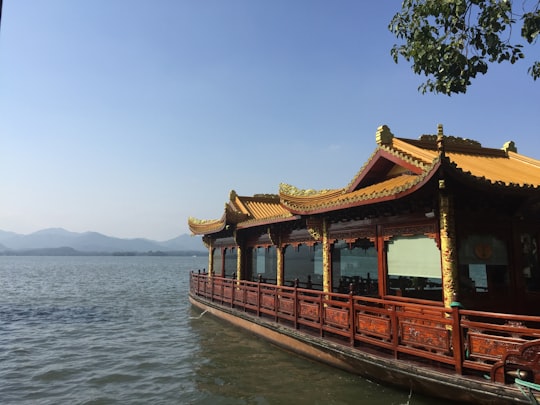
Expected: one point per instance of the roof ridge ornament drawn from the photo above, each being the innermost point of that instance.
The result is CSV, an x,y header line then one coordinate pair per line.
x,y
384,136
440,139
509,146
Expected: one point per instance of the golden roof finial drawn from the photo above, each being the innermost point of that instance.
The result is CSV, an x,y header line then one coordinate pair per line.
x,y
440,131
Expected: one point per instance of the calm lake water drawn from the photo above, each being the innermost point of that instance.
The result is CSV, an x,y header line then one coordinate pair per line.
x,y
120,330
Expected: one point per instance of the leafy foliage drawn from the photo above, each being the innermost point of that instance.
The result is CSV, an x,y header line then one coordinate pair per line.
x,y
452,41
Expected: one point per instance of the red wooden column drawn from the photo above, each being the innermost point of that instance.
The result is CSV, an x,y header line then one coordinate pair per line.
x,y
381,259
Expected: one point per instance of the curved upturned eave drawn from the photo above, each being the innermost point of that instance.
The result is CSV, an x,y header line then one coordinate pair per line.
x,y
357,199
205,227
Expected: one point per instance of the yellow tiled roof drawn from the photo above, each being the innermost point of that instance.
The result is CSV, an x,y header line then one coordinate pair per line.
x,y
261,206
397,167
263,209
422,157
325,202
243,212
497,166
510,170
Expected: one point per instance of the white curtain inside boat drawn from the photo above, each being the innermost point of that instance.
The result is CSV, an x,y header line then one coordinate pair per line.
x,y
413,256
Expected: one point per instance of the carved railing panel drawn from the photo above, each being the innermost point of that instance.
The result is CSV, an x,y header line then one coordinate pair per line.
x,y
490,348
373,325
336,317
268,301
468,340
286,305
251,297
425,336
309,311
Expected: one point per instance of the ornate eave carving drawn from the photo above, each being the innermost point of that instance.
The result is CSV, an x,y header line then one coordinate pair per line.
x,y
274,236
450,140
207,241
428,229
290,190
352,235
315,227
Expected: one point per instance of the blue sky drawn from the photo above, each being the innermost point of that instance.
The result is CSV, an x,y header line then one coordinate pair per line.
x,y
126,117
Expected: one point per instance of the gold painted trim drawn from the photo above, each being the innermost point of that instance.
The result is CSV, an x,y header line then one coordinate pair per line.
x,y
448,249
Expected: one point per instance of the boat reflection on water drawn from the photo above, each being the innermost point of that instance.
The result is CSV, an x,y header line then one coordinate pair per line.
x,y
237,367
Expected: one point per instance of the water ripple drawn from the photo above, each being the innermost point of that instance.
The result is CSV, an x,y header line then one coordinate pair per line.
x,y
119,330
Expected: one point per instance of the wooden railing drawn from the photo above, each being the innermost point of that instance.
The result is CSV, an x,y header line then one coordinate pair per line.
x,y
468,341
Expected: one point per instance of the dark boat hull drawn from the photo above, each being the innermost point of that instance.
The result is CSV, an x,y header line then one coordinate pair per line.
x,y
400,373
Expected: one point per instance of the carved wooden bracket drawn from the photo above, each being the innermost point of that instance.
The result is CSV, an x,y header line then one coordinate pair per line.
x,y
207,241
428,229
315,227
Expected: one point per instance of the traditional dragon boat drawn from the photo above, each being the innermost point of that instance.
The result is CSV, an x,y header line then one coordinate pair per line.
x,y
422,272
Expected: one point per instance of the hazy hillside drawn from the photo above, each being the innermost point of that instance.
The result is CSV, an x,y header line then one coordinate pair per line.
x,y
55,238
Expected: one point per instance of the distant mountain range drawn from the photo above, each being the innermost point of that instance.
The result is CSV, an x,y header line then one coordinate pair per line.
x,y
58,241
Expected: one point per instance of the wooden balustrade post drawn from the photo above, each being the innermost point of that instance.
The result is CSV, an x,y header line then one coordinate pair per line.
x,y
211,288
232,294
295,306
351,314
244,288
321,309
259,297
223,290
457,337
203,289
395,330
276,303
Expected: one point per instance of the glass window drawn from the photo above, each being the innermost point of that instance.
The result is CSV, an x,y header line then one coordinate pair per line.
x,y
300,263
478,276
260,260
230,262
265,264
416,256
483,264
355,264
317,260
531,267
414,267
483,249
218,265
